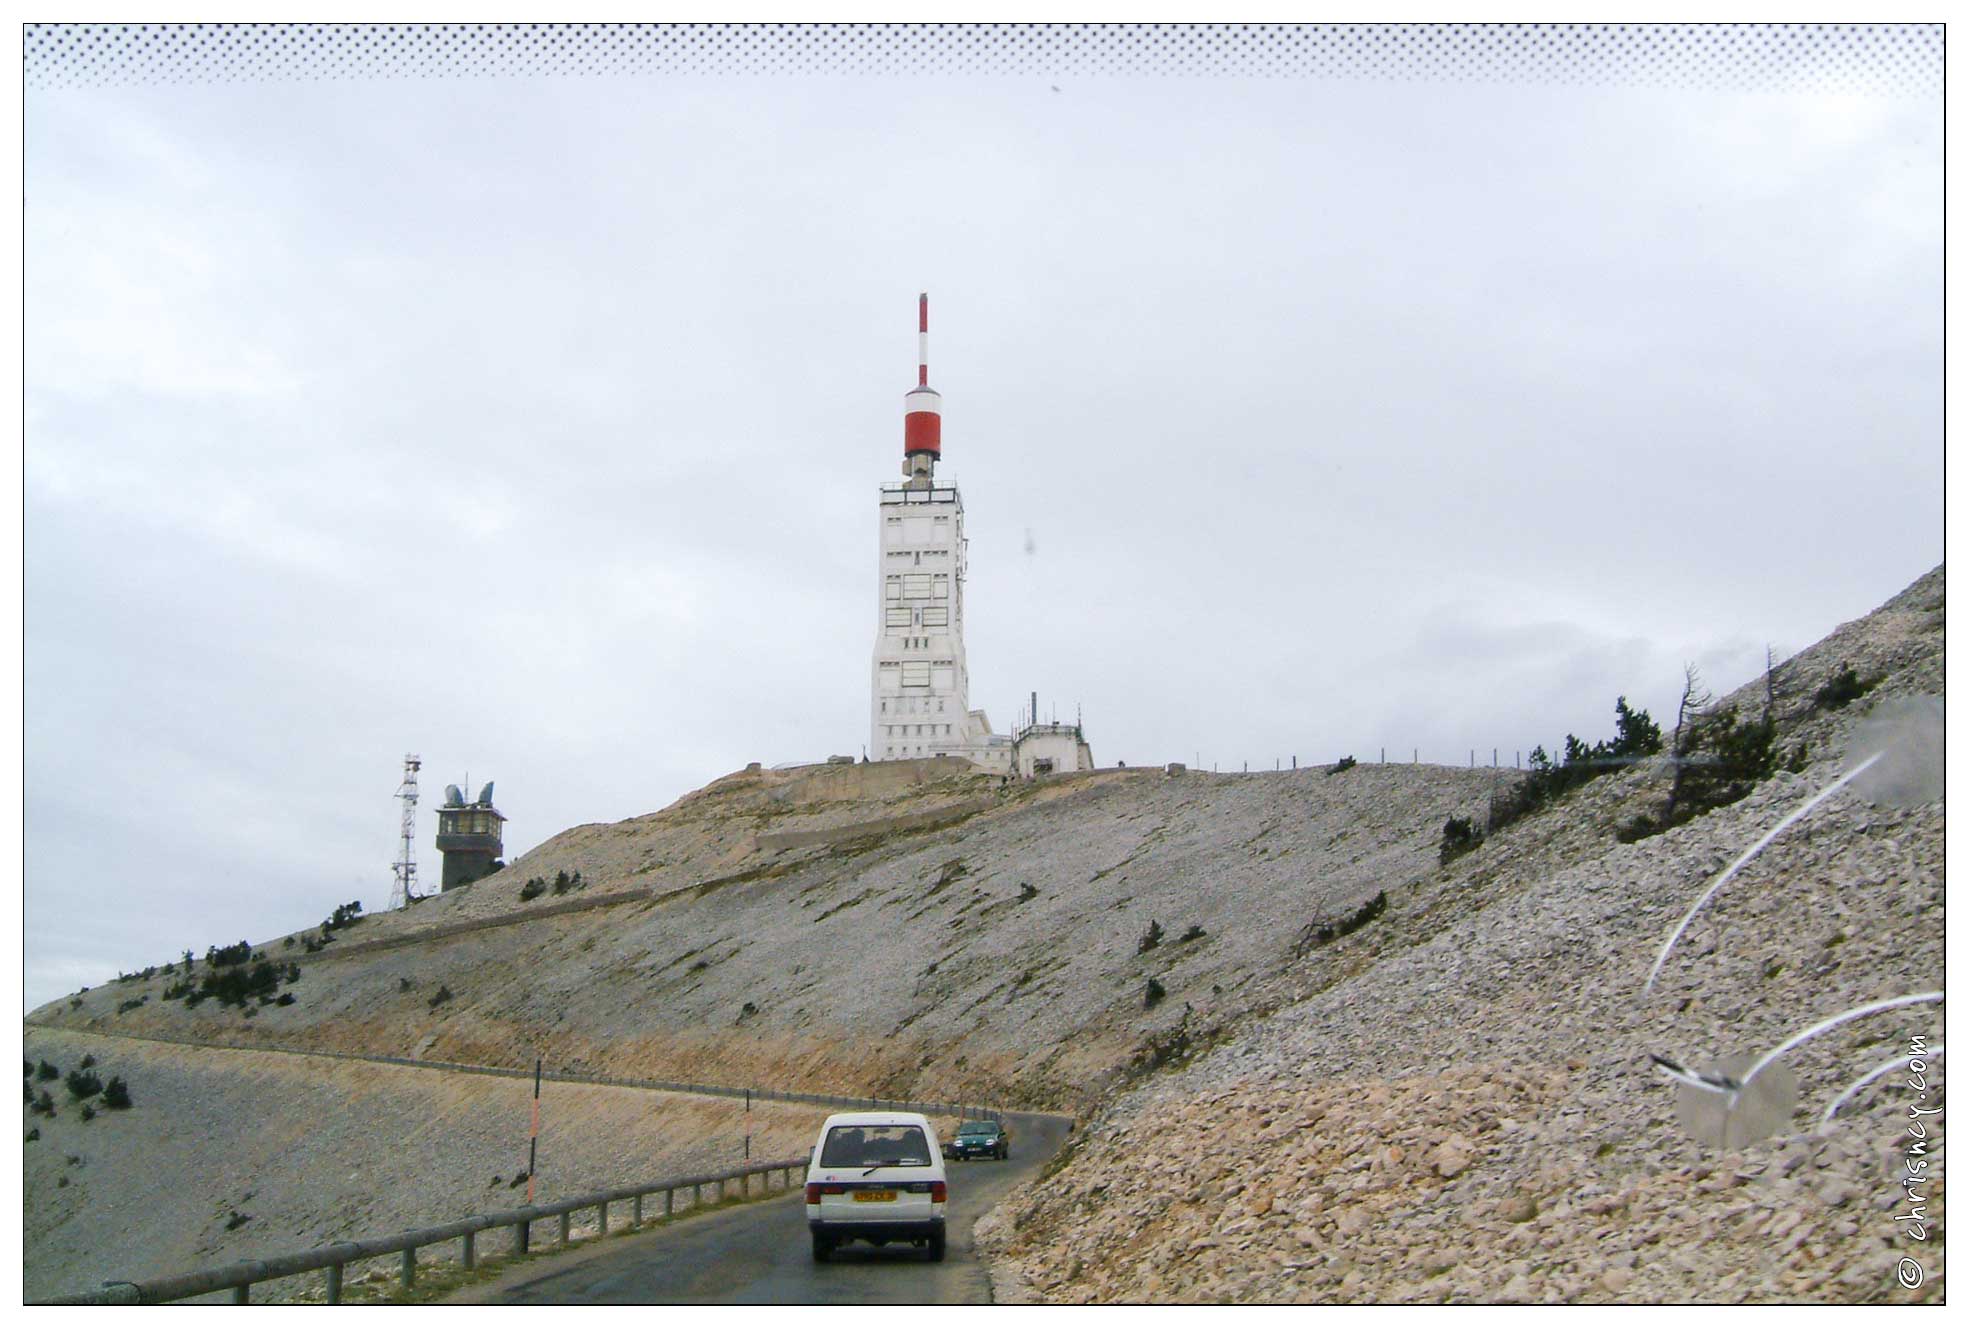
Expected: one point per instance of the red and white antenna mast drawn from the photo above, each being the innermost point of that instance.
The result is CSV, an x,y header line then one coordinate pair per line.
x,y
922,421
923,340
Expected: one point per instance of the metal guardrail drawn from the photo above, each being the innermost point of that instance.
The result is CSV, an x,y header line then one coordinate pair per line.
x,y
240,1276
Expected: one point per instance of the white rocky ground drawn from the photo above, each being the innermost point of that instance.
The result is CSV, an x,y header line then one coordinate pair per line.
x,y
1470,1113
1363,1119
996,957
864,974
311,1151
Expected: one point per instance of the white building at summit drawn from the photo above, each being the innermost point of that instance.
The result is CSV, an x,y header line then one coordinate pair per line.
x,y
921,683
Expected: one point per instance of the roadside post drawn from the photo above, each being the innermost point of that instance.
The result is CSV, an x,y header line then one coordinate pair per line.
x,y
533,1134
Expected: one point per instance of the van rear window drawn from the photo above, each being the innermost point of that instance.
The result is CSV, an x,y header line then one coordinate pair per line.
x,y
869,1146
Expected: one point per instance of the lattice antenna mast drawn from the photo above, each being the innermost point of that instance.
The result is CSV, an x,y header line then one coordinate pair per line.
x,y
406,865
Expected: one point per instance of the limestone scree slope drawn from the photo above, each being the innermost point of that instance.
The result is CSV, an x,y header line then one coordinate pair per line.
x,y
227,1155
998,956
1453,1101
1463,1109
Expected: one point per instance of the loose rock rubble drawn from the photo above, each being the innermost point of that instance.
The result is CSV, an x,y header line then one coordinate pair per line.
x,y
307,1152
1486,1124
1470,1113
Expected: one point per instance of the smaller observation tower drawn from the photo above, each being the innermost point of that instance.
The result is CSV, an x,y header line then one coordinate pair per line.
x,y
469,836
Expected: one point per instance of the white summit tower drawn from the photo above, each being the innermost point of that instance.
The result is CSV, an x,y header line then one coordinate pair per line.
x,y
922,687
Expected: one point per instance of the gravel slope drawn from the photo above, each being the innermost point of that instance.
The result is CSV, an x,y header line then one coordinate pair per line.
x,y
1470,1113
996,958
311,1151
1492,1011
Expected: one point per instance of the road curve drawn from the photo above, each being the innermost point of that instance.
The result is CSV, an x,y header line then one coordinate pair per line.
x,y
759,1252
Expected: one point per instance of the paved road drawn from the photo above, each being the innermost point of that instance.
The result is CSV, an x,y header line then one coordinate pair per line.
x,y
759,1252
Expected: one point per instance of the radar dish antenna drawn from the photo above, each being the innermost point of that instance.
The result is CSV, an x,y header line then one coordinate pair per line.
x,y
452,798
485,795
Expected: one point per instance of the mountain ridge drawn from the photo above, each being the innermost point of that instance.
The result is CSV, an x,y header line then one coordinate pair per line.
x,y
1084,943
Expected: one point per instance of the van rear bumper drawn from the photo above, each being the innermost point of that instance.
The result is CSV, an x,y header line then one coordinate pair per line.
x,y
887,1230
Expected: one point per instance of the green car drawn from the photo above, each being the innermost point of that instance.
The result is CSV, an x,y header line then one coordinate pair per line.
x,y
981,1139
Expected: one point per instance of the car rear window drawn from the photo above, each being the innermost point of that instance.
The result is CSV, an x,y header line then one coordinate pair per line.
x,y
866,1146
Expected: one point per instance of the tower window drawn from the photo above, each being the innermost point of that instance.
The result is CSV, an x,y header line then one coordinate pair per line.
x,y
916,673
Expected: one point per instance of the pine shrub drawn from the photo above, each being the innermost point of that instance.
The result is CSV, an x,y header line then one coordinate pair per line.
x,y
1840,690
1723,758
1319,934
345,915
1636,736
1460,836
221,957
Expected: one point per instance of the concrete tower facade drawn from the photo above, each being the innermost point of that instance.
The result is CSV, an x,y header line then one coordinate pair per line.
x,y
920,681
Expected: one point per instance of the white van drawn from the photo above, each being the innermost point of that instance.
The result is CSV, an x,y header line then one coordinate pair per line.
x,y
876,1177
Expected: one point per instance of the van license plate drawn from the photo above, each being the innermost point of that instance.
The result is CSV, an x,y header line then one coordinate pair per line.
x,y
866,1197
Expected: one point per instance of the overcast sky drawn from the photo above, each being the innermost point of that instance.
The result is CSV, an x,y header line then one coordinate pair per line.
x,y
535,425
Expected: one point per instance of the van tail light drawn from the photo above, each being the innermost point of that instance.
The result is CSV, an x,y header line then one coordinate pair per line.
x,y
815,1190
939,1192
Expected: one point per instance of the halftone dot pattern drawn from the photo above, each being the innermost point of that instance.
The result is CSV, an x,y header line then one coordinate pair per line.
x,y
1878,59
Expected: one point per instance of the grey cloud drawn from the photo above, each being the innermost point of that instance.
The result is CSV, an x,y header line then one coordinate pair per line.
x,y
533,425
